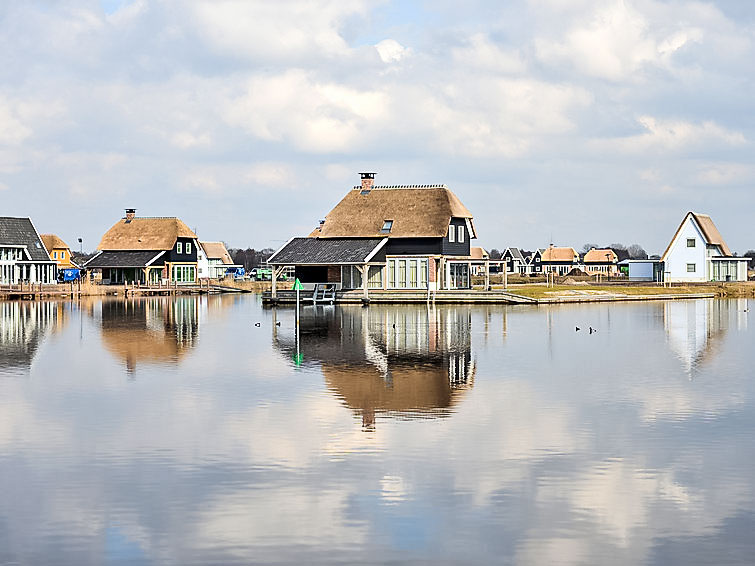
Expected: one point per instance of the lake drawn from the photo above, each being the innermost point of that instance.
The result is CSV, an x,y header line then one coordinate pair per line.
x,y
200,430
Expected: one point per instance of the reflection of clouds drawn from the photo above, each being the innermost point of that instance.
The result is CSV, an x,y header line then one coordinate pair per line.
x,y
266,518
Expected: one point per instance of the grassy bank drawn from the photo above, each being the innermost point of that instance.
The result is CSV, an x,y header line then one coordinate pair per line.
x,y
541,291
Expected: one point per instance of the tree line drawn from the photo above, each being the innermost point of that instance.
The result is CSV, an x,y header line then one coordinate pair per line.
x,y
250,258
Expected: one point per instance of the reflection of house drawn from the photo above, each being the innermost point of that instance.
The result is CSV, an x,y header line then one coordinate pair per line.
x,y
23,256
391,237
601,262
694,328
152,330
407,362
23,325
213,260
147,250
58,250
559,260
697,252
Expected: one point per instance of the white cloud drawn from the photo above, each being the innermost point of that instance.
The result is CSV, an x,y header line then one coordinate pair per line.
x,y
672,135
391,51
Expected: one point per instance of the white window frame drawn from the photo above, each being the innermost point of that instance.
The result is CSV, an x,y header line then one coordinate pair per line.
x,y
693,266
187,249
179,247
460,234
451,233
694,242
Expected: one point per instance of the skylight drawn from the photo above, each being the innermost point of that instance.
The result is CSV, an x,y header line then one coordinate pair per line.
x,y
387,225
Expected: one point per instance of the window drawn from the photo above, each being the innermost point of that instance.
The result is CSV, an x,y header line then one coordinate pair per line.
x,y
423,273
401,273
179,248
54,255
462,229
375,277
62,255
188,247
451,233
690,242
387,225
392,273
413,273
690,268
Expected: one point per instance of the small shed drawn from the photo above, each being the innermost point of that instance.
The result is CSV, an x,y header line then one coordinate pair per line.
x,y
642,269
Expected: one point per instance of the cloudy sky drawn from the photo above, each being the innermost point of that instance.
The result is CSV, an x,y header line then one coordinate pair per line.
x,y
569,121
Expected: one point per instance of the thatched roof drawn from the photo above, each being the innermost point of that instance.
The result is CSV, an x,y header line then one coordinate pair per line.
x,y
217,250
145,234
559,254
708,228
476,252
53,242
416,212
599,256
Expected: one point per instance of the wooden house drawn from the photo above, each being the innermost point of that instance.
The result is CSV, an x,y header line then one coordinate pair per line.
x,y
147,251
698,252
23,255
59,251
514,261
387,237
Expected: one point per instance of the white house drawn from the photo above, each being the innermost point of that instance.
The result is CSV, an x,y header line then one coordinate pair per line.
x,y
23,255
697,252
214,260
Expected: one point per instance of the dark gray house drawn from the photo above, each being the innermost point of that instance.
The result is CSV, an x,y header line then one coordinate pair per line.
x,y
397,237
23,256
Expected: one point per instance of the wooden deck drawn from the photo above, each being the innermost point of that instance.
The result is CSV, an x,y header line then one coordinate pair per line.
x,y
380,296
36,291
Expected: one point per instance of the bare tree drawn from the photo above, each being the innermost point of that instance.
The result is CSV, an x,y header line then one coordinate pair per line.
x,y
636,251
587,247
495,254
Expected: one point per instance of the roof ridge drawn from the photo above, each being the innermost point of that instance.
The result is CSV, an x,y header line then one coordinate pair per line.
x,y
432,186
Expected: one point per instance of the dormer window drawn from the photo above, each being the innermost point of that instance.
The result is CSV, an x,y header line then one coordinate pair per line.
x,y
452,233
387,225
188,247
179,247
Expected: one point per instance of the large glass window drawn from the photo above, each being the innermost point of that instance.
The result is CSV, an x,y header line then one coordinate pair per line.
x,y
375,277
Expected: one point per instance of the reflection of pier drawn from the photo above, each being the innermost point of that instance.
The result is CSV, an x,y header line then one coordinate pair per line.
x,y
694,328
410,362
150,329
23,326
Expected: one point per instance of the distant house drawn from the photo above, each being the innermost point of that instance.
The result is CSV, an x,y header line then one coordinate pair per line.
x,y
514,261
59,251
533,262
559,260
213,260
147,250
698,252
481,256
601,262
397,237
23,255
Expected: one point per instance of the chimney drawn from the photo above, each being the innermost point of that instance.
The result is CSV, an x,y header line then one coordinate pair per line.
x,y
130,214
367,180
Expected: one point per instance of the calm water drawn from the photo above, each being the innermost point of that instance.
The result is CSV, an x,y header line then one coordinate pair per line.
x,y
190,431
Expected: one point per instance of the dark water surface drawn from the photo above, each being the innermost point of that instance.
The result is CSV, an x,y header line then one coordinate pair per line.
x,y
176,431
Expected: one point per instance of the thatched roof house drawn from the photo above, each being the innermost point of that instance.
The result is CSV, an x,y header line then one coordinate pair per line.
x,y
59,251
147,250
408,236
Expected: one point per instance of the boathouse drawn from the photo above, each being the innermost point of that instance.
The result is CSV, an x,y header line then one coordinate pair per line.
x,y
408,237
147,251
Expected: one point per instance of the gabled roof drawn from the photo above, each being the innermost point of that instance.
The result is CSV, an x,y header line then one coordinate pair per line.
x,y
559,254
516,253
21,232
53,242
145,234
599,256
216,250
416,212
707,229
327,251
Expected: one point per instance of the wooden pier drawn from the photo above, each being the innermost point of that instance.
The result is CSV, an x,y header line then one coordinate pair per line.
x,y
74,289
380,296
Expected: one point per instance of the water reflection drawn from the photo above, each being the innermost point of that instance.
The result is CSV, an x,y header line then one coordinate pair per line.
x,y
149,330
23,327
695,329
408,362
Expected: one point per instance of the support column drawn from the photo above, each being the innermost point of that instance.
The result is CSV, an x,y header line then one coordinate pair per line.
x,y
365,272
487,275
274,290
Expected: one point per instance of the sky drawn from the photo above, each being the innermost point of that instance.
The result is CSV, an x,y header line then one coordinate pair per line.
x,y
563,121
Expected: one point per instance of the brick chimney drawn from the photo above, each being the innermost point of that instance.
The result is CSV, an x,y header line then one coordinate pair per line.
x,y
130,214
367,180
